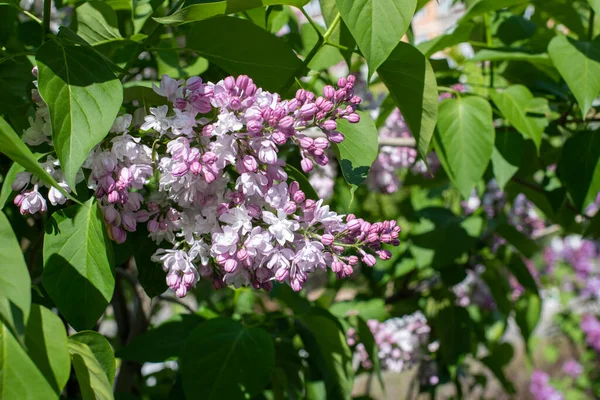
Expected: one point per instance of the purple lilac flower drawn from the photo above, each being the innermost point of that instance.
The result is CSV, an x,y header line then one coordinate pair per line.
x,y
399,342
541,389
591,327
260,229
572,368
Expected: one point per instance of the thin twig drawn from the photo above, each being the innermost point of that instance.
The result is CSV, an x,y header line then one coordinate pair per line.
x,y
176,301
395,142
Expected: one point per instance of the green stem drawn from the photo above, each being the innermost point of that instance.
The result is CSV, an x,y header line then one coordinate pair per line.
x,y
311,22
46,16
30,15
147,42
488,39
313,52
11,56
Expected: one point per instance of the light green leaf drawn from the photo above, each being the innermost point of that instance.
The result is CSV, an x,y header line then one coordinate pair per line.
x,y
101,350
15,283
19,377
234,6
411,81
465,140
484,6
77,250
528,311
507,156
516,103
235,361
13,147
83,98
461,34
46,341
92,379
244,48
96,22
579,168
579,64
325,342
377,26
193,13
595,4
359,149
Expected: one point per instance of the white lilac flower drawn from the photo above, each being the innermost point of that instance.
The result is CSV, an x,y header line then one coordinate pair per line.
x,y
281,227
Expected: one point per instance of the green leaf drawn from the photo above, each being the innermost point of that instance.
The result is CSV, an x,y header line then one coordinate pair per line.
x,y
367,309
150,274
454,329
485,6
377,26
19,377
9,178
515,103
542,60
96,22
498,358
565,13
234,6
579,64
326,57
13,147
528,311
235,360
15,283
141,91
521,242
499,287
46,341
461,34
579,168
295,175
340,34
507,156
244,48
359,149
83,98
77,250
325,342
92,379
193,13
465,140
595,4
161,343
411,81
101,350
519,269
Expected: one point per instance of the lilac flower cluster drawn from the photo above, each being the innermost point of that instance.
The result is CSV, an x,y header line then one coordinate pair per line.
x,y
583,256
399,342
474,290
590,325
220,195
524,216
383,176
541,389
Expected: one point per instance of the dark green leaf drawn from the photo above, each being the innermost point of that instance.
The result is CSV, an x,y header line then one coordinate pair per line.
x,y
101,350
244,48
46,341
19,377
525,245
359,149
465,140
235,361
454,329
296,175
83,98
507,156
484,6
579,168
519,269
77,250
377,26
411,82
579,64
234,6
161,343
528,311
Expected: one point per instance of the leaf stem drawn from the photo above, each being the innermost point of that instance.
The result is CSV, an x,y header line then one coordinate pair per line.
x,y
46,16
146,42
11,56
489,42
29,14
311,22
591,24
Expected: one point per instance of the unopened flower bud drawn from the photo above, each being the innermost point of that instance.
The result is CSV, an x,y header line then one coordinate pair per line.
x,y
327,239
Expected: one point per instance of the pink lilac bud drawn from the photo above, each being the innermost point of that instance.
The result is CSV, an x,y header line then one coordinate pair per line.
x,y
299,196
153,225
306,142
329,125
301,95
353,118
278,138
327,239
369,259
118,234
286,122
253,210
110,214
342,82
384,254
196,168
337,266
250,164
242,81
329,91
289,208
336,137
230,265
353,260
306,165
194,83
